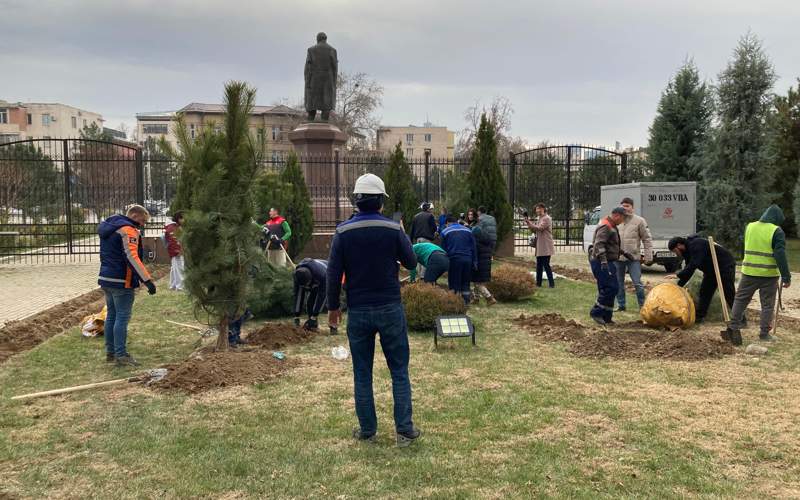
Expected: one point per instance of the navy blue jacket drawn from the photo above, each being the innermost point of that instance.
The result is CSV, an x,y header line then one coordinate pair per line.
x,y
319,275
459,242
121,253
365,249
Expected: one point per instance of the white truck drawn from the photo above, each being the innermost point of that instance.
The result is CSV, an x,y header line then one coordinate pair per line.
x,y
668,207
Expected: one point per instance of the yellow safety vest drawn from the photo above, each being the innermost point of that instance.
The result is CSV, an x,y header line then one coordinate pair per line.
x,y
759,259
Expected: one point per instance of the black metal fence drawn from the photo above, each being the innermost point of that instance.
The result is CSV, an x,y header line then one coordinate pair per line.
x,y
53,192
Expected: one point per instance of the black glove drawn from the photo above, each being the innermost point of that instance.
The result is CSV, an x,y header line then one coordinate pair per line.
x,y
151,287
604,267
275,238
297,321
628,256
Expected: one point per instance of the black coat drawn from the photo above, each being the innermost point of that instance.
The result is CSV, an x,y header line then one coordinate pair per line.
x,y
423,226
484,272
698,256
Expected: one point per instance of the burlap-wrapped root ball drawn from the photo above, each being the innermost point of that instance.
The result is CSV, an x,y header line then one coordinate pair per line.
x,y
423,302
511,283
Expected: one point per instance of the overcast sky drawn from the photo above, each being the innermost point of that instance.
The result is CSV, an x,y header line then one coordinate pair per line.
x,y
576,71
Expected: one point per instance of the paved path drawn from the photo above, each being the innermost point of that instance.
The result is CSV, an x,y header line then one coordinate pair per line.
x,y
29,289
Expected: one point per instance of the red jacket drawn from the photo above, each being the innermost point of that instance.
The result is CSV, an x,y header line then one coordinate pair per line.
x,y
173,245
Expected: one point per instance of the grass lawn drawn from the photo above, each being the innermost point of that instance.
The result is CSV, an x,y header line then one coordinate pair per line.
x,y
513,417
793,254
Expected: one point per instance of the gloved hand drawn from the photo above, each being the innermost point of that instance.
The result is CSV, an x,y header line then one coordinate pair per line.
x,y
297,321
604,267
628,256
151,287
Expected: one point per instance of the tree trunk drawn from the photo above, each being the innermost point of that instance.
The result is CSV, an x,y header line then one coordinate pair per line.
x,y
222,338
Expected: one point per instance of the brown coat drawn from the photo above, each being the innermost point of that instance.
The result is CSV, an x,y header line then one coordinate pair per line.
x,y
544,235
634,234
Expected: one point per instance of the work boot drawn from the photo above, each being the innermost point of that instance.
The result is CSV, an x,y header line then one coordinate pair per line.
x,y
368,438
334,330
311,325
404,440
597,319
736,337
766,337
491,301
110,357
126,361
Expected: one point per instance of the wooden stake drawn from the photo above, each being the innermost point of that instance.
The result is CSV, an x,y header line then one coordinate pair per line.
x,y
720,290
193,327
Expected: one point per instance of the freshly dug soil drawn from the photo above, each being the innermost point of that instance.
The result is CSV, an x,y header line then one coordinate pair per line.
x,y
211,370
279,335
19,336
631,340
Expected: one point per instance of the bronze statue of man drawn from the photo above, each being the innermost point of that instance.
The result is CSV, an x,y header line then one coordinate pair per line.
x,y
322,67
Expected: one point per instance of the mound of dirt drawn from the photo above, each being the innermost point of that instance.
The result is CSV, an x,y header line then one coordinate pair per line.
x,y
631,340
212,370
19,336
279,335
551,327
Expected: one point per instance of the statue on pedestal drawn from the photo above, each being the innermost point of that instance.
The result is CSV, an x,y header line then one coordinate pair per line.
x,y
322,68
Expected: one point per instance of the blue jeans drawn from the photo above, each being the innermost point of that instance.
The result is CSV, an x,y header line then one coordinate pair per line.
x,y
459,275
634,268
119,304
606,290
390,322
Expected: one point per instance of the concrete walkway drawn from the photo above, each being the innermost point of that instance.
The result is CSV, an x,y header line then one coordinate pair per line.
x,y
28,289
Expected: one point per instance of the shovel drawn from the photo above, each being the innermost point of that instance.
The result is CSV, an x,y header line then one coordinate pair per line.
x,y
148,377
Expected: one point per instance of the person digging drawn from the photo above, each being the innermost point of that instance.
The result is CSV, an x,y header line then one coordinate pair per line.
x,y
310,278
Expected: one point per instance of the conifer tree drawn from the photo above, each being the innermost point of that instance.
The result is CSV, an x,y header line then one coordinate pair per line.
x,y
734,164
681,125
487,187
785,146
400,188
220,241
297,206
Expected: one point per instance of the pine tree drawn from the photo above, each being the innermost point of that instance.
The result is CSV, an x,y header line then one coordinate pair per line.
x,y
297,207
220,240
734,164
400,188
681,125
487,187
785,145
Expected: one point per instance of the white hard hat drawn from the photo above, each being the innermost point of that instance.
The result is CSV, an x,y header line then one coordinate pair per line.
x,y
370,184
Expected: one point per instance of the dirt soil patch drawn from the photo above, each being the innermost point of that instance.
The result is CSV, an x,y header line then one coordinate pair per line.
x,y
279,335
212,370
626,341
24,334
206,369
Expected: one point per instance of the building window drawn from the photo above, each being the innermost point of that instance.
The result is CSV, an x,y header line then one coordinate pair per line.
x,y
46,120
84,123
5,138
191,130
155,128
409,138
277,156
3,115
74,122
276,133
427,137
409,152
30,119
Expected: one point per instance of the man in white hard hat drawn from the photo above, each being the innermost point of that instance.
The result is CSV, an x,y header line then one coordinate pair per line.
x,y
366,249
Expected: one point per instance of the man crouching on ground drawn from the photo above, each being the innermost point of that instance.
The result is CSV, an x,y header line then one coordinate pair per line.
x,y
366,249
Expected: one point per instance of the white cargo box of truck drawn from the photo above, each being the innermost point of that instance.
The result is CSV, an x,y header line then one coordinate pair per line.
x,y
670,209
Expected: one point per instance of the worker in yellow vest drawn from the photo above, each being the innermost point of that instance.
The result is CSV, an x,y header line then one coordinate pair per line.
x,y
764,262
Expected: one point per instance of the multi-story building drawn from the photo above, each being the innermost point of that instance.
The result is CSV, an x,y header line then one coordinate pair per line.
x,y
34,120
274,122
416,141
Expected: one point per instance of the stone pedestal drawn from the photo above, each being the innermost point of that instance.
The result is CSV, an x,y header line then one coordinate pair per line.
x,y
317,139
316,144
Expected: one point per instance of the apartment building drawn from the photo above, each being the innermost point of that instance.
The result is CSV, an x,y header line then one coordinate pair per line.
x,y
416,141
34,120
275,122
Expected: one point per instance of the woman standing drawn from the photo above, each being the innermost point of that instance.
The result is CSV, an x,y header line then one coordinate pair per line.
x,y
543,229
171,233
472,218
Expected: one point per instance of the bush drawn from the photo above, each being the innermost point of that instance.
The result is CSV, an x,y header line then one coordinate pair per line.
x,y
510,283
271,292
423,302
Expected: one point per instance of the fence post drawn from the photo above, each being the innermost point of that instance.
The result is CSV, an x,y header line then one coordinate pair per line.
x,y
67,194
427,175
568,201
512,179
623,171
337,183
139,177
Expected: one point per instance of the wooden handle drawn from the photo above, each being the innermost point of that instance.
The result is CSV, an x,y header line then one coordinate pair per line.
x,y
720,290
76,388
193,327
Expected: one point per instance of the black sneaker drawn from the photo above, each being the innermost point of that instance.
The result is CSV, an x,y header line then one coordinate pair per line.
x,y
598,320
360,436
404,440
110,357
620,309
126,360
766,337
